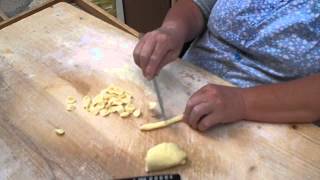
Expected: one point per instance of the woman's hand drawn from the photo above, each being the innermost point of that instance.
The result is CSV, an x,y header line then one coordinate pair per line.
x,y
156,49
214,104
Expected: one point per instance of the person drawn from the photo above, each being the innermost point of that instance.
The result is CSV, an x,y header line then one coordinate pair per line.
x,y
269,49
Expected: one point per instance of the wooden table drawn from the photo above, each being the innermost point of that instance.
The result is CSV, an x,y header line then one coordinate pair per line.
x,y
64,51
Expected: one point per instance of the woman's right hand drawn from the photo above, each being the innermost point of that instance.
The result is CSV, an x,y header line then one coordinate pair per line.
x,y
156,49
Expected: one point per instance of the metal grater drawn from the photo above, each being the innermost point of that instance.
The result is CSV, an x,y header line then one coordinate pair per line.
x,y
154,177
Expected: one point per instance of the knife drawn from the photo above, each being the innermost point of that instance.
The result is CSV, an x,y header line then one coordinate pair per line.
x,y
156,87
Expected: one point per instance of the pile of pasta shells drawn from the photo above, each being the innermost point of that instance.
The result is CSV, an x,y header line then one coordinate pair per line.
x,y
113,99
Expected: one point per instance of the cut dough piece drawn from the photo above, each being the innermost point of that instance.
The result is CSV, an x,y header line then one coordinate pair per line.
x,y
129,108
124,114
91,108
100,106
86,101
161,123
118,109
152,105
70,107
71,103
71,100
137,113
104,112
96,112
126,100
163,156
59,132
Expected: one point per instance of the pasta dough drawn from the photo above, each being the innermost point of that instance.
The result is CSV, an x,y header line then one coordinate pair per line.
x,y
59,132
163,156
70,107
152,105
71,103
136,113
71,100
111,100
161,124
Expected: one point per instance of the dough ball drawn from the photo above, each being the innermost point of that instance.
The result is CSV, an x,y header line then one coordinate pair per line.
x,y
163,156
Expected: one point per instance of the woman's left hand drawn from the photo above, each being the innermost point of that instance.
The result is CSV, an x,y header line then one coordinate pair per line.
x,y
214,104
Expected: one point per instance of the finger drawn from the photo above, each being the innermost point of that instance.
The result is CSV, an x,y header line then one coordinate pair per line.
x,y
197,98
169,57
198,112
137,51
146,52
208,122
155,59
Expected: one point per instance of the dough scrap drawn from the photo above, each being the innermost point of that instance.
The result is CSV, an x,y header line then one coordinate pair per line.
x,y
86,102
163,156
130,108
152,105
59,132
71,103
124,114
161,123
104,112
71,100
136,113
70,107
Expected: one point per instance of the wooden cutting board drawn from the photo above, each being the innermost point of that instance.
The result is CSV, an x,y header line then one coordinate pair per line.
x,y
64,51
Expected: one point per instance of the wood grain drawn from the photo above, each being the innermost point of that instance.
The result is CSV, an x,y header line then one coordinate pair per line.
x,y
85,5
64,51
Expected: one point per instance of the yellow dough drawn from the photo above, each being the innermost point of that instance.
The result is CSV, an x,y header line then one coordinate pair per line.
x,y
124,114
163,156
71,107
59,132
136,113
71,103
71,100
161,124
152,105
110,100
86,100
104,112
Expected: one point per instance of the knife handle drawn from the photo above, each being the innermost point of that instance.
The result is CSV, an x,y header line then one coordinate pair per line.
x,y
154,177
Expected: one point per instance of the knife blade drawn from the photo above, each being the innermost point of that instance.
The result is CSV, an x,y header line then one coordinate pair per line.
x,y
156,87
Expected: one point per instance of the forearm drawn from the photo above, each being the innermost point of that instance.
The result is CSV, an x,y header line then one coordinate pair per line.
x,y
294,101
185,20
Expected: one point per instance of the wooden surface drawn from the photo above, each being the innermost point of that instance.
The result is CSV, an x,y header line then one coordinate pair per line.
x,y
91,8
85,5
63,51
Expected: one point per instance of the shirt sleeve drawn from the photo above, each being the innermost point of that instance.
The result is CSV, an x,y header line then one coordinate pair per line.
x,y
205,6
